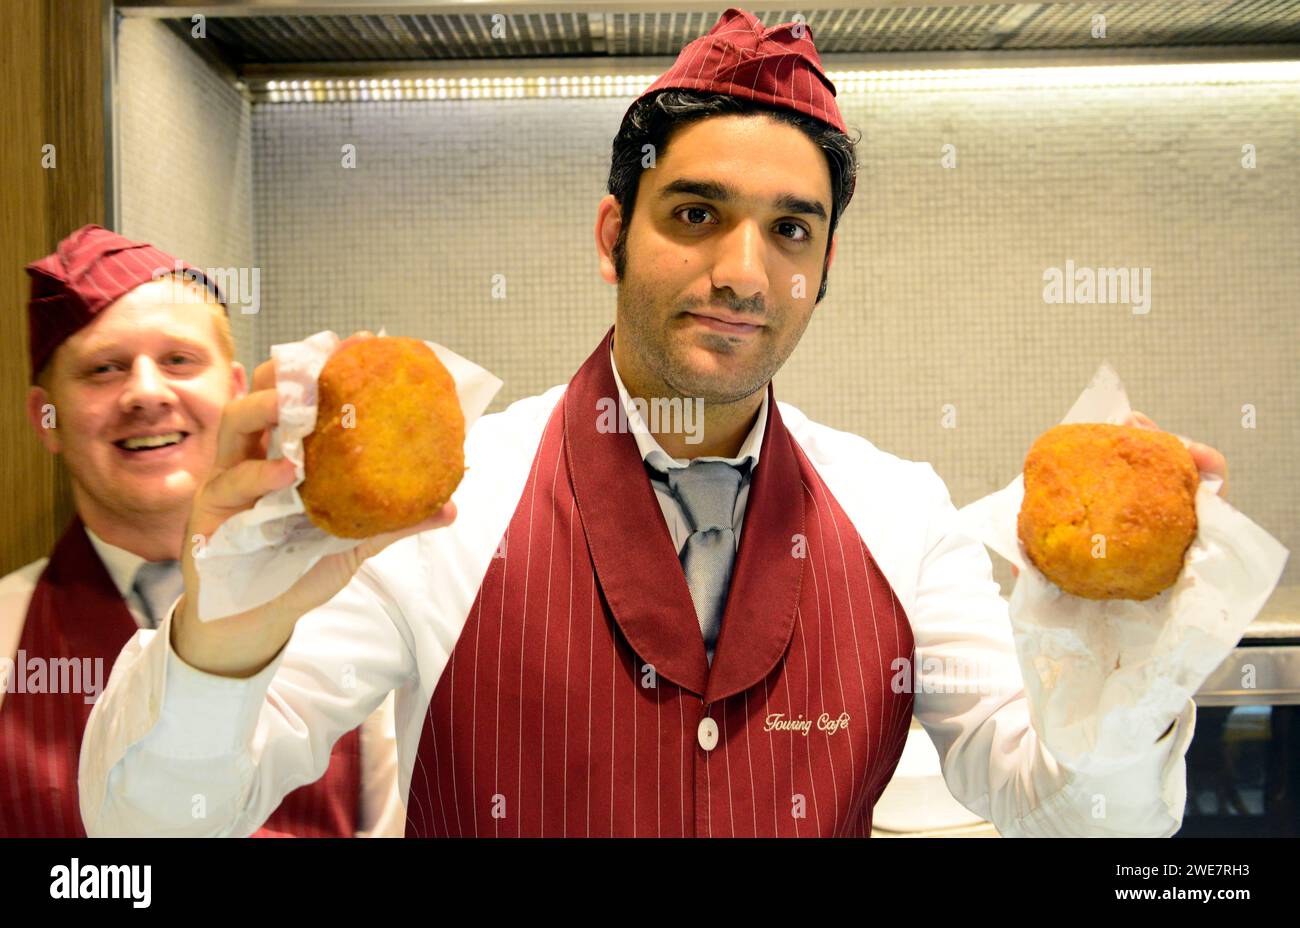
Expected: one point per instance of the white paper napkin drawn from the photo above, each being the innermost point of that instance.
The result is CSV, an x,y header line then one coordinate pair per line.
x,y
1104,678
261,552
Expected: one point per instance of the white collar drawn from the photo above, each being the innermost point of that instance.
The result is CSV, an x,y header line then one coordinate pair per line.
x,y
121,564
654,454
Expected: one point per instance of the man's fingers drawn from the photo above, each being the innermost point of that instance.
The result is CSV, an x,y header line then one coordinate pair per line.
x,y
237,488
264,379
264,376
1211,461
242,423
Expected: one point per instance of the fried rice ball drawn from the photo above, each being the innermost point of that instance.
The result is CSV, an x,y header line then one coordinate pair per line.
x,y
388,447
1133,487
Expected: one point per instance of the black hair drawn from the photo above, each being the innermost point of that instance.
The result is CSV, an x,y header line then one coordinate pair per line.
x,y
653,121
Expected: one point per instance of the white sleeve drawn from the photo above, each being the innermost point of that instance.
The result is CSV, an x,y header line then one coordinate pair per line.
x,y
970,698
16,591
171,750
383,813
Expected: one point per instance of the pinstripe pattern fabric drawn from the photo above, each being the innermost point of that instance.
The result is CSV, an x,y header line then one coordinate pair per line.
x,y
76,612
573,700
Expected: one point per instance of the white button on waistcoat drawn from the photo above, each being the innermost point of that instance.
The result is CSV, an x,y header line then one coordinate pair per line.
x,y
708,733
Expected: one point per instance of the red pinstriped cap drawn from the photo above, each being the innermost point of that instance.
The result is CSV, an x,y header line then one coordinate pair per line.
x,y
90,270
778,66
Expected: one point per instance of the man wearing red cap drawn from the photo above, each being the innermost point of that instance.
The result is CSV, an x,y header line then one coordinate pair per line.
x,y
679,627
132,362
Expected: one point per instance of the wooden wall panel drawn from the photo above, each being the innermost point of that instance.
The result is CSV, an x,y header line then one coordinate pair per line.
x,y
51,71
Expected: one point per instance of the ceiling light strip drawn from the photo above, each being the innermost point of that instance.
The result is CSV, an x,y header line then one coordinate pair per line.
x,y
333,90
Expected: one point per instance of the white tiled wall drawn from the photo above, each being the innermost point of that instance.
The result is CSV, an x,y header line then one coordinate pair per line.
x,y
184,157
444,197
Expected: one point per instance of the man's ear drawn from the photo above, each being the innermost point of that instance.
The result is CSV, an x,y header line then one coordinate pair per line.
x,y
43,417
608,223
238,379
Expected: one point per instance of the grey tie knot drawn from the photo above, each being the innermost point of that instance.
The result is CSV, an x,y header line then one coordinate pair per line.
x,y
707,491
158,584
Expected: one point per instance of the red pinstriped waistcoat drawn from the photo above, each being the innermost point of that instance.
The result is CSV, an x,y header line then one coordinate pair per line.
x,y
574,699
77,612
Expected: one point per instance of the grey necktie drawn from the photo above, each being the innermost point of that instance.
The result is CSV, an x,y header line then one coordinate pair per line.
x,y
707,492
158,584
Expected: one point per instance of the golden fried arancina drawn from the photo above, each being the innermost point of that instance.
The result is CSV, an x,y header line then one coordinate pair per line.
x,y
1109,510
388,447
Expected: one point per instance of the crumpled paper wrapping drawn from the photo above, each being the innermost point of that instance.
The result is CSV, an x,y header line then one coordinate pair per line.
x,y
260,553
1105,678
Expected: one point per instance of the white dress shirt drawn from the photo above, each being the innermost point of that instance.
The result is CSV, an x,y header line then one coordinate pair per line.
x,y
383,813
122,566
164,731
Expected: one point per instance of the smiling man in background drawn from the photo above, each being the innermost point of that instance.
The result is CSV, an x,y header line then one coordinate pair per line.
x,y
131,366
